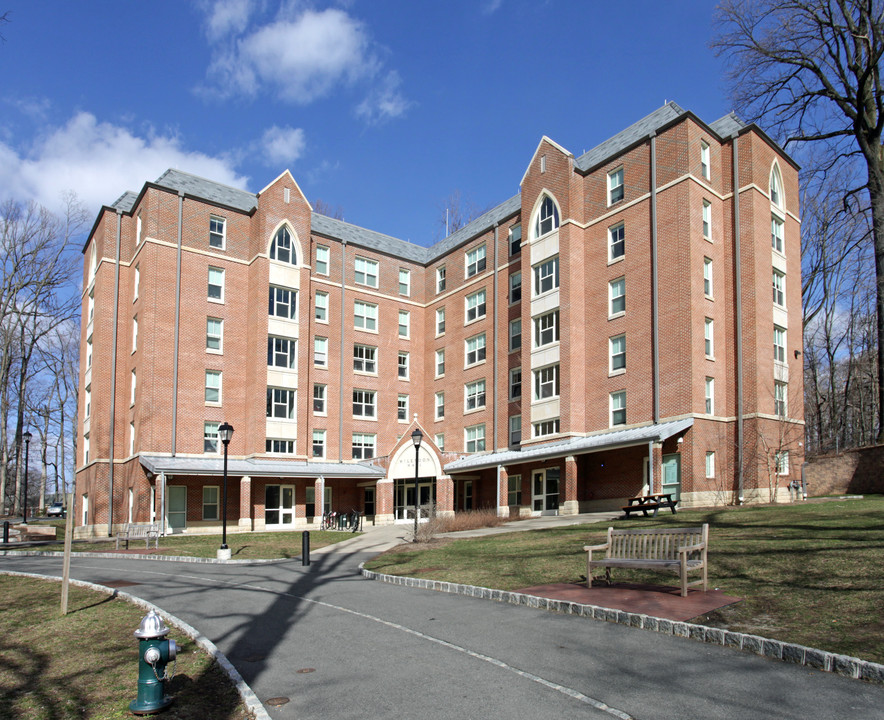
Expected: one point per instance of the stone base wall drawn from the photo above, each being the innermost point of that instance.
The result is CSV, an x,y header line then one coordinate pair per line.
x,y
854,471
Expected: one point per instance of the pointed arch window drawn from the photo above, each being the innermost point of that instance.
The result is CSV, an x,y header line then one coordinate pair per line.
x,y
776,186
282,249
547,217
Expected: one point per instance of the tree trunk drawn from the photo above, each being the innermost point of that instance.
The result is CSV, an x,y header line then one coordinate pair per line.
x,y
876,197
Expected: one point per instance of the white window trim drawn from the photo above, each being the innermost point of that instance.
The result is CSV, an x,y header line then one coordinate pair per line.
x,y
612,409
223,233
710,464
366,317
619,313
611,187
220,349
218,374
611,369
326,260
407,324
484,301
611,243
369,263
320,306
219,300
709,338
466,350
708,277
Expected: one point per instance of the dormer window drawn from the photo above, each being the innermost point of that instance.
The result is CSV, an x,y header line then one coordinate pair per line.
x,y
282,249
547,217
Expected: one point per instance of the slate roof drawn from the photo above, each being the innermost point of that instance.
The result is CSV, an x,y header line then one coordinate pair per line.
x,y
573,446
255,467
193,185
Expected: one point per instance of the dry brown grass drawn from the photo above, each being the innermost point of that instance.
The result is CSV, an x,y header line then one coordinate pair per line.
x,y
464,520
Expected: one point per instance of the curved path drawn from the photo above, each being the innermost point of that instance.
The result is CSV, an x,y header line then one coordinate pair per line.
x,y
339,646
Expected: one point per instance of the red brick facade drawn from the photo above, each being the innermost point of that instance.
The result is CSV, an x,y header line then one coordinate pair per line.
x,y
656,201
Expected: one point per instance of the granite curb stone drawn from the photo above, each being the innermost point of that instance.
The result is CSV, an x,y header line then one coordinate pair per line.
x,y
773,649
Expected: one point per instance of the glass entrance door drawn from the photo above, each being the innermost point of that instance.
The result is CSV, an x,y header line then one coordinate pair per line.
x,y
279,506
404,498
545,491
177,507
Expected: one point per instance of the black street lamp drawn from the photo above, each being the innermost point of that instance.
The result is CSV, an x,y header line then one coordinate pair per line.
x,y
226,432
27,438
416,438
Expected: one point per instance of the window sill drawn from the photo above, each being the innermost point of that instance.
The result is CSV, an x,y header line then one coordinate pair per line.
x,y
709,297
366,419
366,330
467,323
320,367
216,301
364,373
615,373
212,351
614,261
474,410
475,364
617,315
539,296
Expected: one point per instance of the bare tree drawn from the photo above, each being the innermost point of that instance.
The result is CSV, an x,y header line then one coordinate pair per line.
x,y
323,208
456,211
810,69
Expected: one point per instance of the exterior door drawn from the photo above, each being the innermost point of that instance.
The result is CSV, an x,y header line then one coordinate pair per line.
x,y
279,506
545,491
467,494
672,475
177,507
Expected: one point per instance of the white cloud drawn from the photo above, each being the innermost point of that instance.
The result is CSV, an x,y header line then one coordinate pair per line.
x,y
99,162
302,58
282,145
489,7
226,17
384,102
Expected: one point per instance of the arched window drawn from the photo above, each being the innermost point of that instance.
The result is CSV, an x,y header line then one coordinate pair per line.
x,y
776,186
547,217
282,249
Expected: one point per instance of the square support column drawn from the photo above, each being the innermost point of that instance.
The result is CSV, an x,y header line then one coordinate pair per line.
x,y
245,503
444,496
383,501
503,490
569,504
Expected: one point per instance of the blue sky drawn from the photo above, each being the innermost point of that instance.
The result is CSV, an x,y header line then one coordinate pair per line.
x,y
381,108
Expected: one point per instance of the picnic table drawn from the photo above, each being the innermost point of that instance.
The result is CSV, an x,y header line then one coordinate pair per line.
x,y
649,503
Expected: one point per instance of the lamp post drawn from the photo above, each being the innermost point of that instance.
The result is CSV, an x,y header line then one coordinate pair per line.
x,y
225,432
416,438
27,437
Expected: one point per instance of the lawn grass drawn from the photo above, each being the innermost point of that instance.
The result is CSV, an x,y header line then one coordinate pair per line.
x,y
808,573
243,546
84,664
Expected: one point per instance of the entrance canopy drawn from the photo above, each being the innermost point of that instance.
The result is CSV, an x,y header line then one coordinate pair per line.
x,y
610,440
257,467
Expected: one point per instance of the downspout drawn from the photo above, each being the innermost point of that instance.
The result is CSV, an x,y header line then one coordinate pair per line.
x,y
113,384
738,308
341,385
655,311
496,330
177,325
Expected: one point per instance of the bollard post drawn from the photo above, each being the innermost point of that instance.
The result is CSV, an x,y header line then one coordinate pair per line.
x,y
6,531
305,548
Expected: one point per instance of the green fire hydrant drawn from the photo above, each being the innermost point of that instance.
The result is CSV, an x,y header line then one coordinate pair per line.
x,y
154,655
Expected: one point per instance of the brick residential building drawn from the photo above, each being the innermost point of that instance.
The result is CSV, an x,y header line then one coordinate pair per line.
x,y
621,326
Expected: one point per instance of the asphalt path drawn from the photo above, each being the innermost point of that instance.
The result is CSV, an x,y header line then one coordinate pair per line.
x,y
339,646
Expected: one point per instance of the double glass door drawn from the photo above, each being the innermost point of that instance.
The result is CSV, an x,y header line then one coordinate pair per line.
x,y
279,505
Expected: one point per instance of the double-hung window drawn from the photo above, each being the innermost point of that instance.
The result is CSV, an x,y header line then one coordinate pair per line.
x,y
779,344
402,408
440,405
283,303
282,352
404,282
216,284
366,272
475,306
214,334
546,276
365,359
776,233
319,398
615,186
618,353
404,323
319,443
515,383
440,321
616,241
364,403
322,259
476,261
475,395
617,296
365,316
280,403
321,306
618,408
213,387
515,334
707,220
707,277
211,437
710,464
709,337
403,366
515,430
547,217
704,159
710,396
320,352
210,502
779,288
546,382
782,462
515,239
515,287
475,349
217,231
546,329
440,362
364,446
440,279
780,398
475,438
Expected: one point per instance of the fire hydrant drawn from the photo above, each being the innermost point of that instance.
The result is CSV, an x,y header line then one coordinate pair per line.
x,y
154,655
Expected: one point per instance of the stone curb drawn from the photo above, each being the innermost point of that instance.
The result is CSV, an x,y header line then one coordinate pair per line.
x,y
773,649
248,696
165,558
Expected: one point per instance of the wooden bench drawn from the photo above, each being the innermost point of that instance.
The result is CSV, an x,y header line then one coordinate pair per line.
x,y
645,503
679,550
136,531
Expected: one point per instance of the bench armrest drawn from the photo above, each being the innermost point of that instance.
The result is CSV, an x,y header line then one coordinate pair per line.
x,y
596,547
692,548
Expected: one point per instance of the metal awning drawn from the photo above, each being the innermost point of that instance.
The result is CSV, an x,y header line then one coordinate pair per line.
x,y
257,467
610,440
